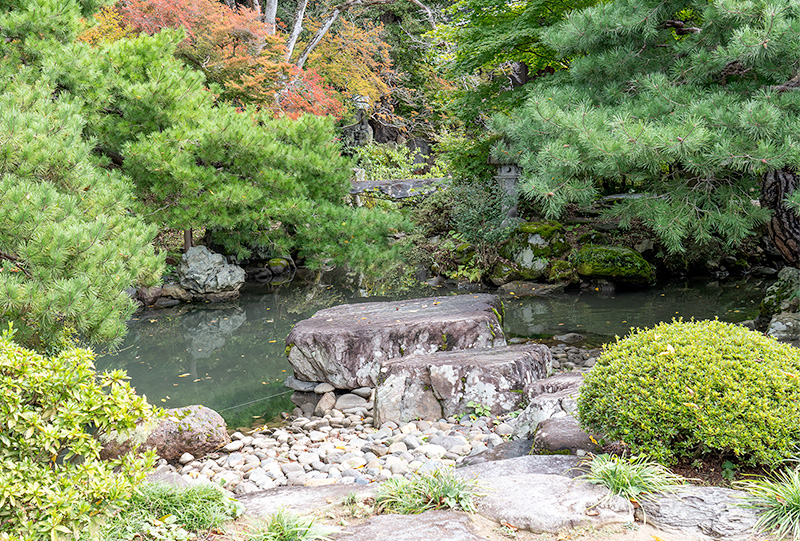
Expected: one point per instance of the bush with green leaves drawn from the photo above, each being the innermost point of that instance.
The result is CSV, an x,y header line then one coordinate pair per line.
x,y
388,161
776,499
171,511
438,489
636,478
692,388
53,413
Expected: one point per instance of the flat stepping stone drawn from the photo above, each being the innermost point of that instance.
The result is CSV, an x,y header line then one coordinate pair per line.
x,y
549,503
345,345
563,465
442,384
299,499
431,525
703,513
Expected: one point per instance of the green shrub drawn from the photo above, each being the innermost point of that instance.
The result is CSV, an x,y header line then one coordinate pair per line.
x,y
688,389
193,509
53,412
635,478
777,502
439,489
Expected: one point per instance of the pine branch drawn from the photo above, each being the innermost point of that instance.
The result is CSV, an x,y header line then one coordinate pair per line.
x,y
15,260
680,27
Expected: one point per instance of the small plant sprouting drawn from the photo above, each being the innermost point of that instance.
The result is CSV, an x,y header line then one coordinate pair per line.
x,y
480,410
729,470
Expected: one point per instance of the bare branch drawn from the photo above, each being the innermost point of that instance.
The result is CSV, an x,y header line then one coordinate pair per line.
x,y
15,260
296,29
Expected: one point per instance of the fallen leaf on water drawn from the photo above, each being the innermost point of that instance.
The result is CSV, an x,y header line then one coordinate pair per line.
x,y
184,375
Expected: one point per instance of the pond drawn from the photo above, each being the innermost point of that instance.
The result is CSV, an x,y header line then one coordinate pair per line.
x,y
231,357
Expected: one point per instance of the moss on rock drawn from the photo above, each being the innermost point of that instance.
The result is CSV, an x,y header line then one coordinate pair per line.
x,y
614,263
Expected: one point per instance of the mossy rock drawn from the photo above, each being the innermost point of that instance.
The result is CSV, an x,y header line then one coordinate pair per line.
x,y
780,294
563,271
502,273
543,239
614,263
533,245
278,265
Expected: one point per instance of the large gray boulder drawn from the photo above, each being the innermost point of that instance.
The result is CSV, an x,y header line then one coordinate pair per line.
x,y
196,430
553,397
441,384
564,435
702,513
345,345
785,327
204,272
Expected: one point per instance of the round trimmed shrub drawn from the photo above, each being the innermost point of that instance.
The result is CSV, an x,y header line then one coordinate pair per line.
x,y
688,389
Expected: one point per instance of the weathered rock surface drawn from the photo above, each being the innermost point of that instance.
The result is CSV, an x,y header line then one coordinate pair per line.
x,y
562,435
617,264
299,499
565,466
504,451
148,295
442,384
432,525
197,430
780,296
702,513
553,397
207,273
532,289
398,188
549,503
345,345
194,429
785,327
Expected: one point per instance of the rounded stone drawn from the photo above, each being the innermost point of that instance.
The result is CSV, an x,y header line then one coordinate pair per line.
x,y
323,388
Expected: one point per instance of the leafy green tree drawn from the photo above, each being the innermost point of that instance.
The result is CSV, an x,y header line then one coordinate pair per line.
x,y
691,104
495,48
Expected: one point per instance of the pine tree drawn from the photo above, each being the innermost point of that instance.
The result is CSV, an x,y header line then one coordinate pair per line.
x,y
693,105
69,245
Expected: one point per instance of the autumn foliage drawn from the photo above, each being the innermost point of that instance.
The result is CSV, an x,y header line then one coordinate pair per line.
x,y
231,47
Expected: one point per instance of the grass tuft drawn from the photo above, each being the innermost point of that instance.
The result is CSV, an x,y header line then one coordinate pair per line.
x,y
635,478
286,526
776,499
439,489
195,508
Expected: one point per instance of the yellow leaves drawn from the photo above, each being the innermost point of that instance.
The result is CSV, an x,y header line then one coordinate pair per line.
x,y
669,350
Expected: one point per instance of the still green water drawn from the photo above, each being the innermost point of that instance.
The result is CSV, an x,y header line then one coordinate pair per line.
x,y
231,357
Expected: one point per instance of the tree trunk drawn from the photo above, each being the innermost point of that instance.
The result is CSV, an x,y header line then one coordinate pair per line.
x,y
231,3
784,227
187,239
270,12
299,14
318,37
